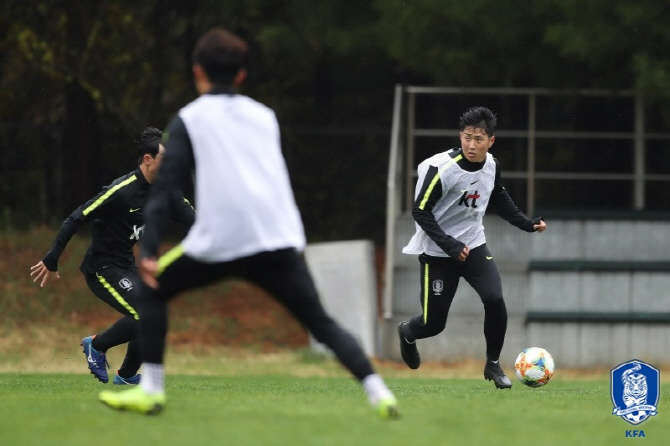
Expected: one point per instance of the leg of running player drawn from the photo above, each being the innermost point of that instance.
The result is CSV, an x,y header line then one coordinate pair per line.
x,y
439,282
482,274
119,288
285,276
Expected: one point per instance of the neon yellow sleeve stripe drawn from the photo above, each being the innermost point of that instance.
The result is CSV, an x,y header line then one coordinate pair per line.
x,y
436,178
107,194
425,294
118,297
169,257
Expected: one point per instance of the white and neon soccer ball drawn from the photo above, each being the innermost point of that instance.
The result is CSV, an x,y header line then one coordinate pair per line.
x,y
534,367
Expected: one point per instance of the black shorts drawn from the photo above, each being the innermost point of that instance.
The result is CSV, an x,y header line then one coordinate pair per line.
x,y
440,277
120,288
282,273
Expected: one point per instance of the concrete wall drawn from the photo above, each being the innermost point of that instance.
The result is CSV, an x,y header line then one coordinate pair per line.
x,y
629,240
344,274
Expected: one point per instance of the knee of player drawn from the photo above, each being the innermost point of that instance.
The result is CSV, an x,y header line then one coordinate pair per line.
x,y
435,327
494,300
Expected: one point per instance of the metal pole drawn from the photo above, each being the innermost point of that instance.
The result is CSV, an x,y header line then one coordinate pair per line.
x,y
530,192
392,204
639,155
409,153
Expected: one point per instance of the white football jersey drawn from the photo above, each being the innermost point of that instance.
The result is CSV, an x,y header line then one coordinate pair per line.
x,y
245,203
460,210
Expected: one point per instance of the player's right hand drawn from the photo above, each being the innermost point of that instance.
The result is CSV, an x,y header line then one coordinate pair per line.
x,y
41,273
148,268
464,254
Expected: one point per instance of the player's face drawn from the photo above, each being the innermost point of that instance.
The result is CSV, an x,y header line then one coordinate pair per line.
x,y
475,144
152,168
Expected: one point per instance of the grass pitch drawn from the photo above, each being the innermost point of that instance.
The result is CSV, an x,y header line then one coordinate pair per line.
x,y
62,409
229,397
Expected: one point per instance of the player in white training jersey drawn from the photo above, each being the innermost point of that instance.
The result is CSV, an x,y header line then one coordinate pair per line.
x,y
453,191
247,226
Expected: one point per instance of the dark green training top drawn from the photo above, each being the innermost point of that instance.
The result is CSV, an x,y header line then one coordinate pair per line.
x,y
117,212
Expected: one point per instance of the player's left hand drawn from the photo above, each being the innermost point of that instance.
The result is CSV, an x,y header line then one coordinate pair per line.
x,y
148,268
540,227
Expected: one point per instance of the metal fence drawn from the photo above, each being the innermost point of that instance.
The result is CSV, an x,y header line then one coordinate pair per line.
x,y
571,150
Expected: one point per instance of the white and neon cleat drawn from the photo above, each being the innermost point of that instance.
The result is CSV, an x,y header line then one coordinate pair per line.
x,y
387,409
135,400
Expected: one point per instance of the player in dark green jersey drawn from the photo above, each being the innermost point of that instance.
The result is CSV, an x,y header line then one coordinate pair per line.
x,y
117,215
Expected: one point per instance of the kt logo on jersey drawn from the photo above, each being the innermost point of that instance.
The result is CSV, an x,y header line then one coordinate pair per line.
x,y
469,200
636,389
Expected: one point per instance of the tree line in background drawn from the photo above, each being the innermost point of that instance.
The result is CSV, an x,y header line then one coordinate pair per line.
x,y
80,78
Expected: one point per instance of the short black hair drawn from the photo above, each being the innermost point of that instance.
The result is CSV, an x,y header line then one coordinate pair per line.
x,y
148,143
221,54
479,118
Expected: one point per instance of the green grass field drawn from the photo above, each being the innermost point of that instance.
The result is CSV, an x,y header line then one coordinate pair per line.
x,y
242,390
275,409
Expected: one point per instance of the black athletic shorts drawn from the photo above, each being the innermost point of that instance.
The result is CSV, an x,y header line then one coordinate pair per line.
x,y
118,287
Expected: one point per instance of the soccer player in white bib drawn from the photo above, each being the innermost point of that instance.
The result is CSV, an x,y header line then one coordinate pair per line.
x,y
247,226
453,191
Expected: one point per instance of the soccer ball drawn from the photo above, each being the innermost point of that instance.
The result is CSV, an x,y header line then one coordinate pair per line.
x,y
534,367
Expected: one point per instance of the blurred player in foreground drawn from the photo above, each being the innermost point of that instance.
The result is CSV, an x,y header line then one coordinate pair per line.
x,y
117,213
453,191
247,226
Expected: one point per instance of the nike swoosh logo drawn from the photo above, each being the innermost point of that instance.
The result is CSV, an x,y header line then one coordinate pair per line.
x,y
88,357
489,257
135,210
473,182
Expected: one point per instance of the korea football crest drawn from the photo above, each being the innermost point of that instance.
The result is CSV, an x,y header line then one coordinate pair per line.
x,y
126,284
438,287
635,388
